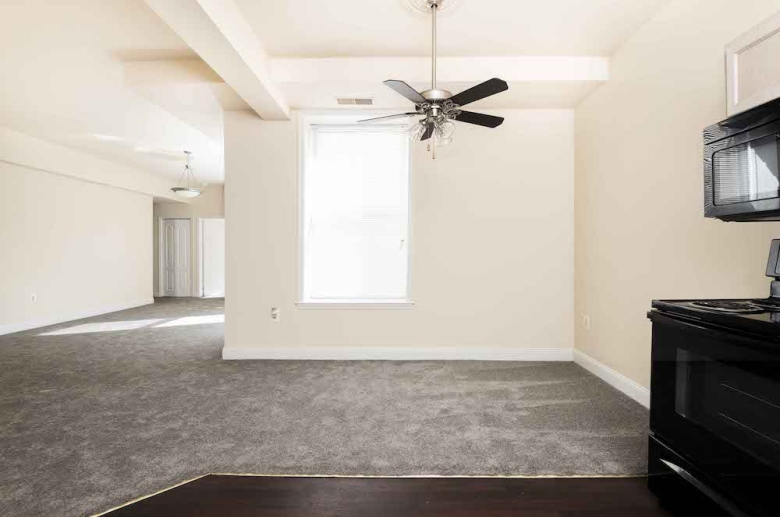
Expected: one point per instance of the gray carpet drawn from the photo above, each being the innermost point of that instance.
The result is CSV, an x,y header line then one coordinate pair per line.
x,y
90,420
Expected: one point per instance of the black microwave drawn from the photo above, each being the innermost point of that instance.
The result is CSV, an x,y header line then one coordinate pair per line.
x,y
742,166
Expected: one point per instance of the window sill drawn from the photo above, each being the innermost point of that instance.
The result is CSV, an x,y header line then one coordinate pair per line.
x,y
357,304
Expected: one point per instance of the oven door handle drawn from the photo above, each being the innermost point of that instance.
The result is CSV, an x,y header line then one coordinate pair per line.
x,y
704,489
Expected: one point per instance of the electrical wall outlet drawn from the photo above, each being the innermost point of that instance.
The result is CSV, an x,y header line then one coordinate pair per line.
x,y
586,322
34,297
275,314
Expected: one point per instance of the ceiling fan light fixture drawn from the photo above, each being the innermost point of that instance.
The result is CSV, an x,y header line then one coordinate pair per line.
x,y
416,131
444,128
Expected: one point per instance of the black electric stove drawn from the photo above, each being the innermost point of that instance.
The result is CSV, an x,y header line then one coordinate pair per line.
x,y
760,317
715,405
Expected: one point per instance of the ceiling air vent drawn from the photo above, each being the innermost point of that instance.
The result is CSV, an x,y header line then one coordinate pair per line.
x,y
355,102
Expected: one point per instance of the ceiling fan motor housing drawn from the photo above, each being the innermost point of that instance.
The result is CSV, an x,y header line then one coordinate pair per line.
x,y
436,95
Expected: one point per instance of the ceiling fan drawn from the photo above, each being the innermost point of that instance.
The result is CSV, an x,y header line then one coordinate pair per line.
x,y
439,107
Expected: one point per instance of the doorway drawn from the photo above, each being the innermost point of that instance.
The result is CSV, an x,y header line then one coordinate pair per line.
x,y
176,269
212,257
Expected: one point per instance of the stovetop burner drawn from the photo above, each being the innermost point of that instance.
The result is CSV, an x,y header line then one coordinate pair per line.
x,y
769,304
732,307
760,317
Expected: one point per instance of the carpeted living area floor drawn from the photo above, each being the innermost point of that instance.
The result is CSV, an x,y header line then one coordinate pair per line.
x,y
97,412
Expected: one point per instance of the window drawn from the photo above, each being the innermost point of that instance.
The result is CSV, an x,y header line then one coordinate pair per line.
x,y
354,212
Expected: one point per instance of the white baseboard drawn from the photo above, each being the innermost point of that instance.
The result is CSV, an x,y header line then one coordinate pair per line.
x,y
357,353
621,382
76,315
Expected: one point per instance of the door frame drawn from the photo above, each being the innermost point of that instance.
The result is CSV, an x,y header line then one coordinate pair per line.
x,y
201,262
161,254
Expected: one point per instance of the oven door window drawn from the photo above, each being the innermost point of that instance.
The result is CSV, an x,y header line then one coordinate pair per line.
x,y
747,172
734,404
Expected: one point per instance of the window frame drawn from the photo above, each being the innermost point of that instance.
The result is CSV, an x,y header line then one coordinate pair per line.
x,y
305,121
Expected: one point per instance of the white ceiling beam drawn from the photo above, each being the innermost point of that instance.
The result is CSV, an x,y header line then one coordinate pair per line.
x,y
218,32
164,71
158,73
188,89
450,69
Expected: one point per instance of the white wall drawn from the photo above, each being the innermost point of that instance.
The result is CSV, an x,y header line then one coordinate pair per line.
x,y
492,249
640,229
211,204
82,247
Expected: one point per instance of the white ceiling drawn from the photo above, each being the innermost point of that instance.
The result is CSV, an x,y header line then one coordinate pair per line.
x,y
106,77
64,80
329,28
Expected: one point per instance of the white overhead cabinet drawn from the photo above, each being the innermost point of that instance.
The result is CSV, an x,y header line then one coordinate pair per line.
x,y
753,67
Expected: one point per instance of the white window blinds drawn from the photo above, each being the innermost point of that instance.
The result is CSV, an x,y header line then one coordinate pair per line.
x,y
355,213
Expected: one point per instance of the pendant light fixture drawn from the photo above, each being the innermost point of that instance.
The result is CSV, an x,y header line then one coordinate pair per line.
x,y
188,176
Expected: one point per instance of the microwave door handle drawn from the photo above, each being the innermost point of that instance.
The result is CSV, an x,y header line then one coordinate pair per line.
x,y
701,487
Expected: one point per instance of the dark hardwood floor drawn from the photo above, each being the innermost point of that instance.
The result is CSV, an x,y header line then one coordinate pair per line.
x,y
239,496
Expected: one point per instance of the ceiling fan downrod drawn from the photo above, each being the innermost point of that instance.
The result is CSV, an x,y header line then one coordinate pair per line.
x,y
435,8
434,94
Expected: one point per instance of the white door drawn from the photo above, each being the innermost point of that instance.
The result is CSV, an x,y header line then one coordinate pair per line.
x,y
213,257
176,249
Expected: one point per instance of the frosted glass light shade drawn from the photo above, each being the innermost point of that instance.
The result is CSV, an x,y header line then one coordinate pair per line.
x,y
186,192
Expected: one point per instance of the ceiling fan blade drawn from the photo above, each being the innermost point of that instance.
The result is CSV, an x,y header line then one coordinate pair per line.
x,y
428,133
389,117
407,91
480,91
480,119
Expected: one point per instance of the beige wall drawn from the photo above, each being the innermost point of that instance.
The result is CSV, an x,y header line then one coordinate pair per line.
x,y
211,204
640,230
82,247
492,248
